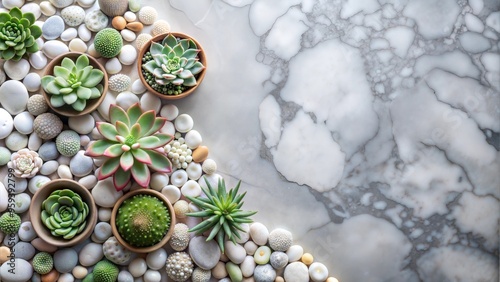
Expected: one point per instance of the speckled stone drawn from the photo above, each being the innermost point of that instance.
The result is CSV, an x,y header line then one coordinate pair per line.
x,y
73,15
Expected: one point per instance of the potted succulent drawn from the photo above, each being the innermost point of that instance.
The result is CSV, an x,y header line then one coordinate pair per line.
x,y
130,145
74,84
142,220
171,65
18,33
63,213
222,213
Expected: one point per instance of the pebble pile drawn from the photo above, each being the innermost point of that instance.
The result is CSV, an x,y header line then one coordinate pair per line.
x,y
41,146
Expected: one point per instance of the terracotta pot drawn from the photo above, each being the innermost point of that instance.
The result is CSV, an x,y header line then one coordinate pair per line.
x,y
158,39
143,191
36,208
92,104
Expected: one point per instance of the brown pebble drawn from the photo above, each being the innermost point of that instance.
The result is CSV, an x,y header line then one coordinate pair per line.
x,y
248,279
4,254
219,271
52,276
200,154
279,279
119,22
135,26
43,246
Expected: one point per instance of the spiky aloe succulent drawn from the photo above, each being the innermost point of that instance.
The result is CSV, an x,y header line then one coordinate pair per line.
x,y
129,144
18,34
222,212
64,213
73,83
174,61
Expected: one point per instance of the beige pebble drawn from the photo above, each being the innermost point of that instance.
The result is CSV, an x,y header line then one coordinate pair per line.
x,y
79,272
77,45
119,22
52,276
4,254
332,279
307,258
135,26
130,16
43,246
200,154
279,279
219,271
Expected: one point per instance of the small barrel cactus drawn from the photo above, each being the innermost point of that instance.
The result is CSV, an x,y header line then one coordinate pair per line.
x,y
18,34
10,223
64,213
68,143
105,271
142,220
73,83
43,263
108,42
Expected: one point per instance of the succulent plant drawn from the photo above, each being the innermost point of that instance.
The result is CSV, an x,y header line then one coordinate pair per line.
x,y
43,263
25,163
18,34
222,212
10,223
105,271
130,143
64,213
174,61
73,83
143,220
108,42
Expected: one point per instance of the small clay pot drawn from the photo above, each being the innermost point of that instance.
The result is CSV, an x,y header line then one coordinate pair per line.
x,y
150,192
92,104
36,208
158,39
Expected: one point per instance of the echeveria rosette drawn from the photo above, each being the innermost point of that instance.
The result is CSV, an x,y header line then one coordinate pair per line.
x,y
64,213
73,83
174,61
130,145
222,213
18,34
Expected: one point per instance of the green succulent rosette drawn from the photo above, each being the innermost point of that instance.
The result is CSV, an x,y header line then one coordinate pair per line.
x,y
18,34
64,213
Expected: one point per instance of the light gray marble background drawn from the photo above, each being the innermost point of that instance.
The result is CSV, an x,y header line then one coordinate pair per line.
x,y
370,129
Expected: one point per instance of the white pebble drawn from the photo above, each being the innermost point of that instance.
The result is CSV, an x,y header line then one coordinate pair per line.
x,y
79,272
128,35
259,233
92,52
168,128
9,4
152,276
14,96
84,33
34,142
191,188
156,259
104,214
86,3
23,122
38,60
138,87
130,16
82,124
318,272
137,267
16,70
113,66
179,177
36,182
47,8
158,180
64,172
6,123
169,111
183,123
173,193
22,201
49,167
150,102
88,181
66,277
209,166
127,55
126,99
193,139
16,141
77,45
54,48
194,171
294,253
69,34
32,8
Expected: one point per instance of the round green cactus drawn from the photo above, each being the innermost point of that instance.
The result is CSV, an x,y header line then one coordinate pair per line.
x,y
105,271
64,213
10,223
143,220
43,263
108,42
68,143
18,34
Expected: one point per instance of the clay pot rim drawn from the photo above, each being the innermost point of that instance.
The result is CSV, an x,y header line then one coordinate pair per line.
x,y
91,105
167,236
200,76
35,212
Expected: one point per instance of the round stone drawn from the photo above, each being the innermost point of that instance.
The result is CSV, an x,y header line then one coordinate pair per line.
x,y
173,193
127,55
4,254
96,20
16,141
115,252
296,272
205,254
158,180
82,124
77,45
79,272
235,252
179,177
84,33
113,66
69,34
32,81
4,156
318,272
43,246
73,15
13,96
38,60
104,214
81,165
219,271
126,99
6,123
53,27
194,171
280,239
49,167
47,8
86,3
65,260
183,123
16,70
22,201
24,250
191,188
294,253
48,151
169,111
88,181
125,276
36,182
247,266
105,194
200,154
91,254
102,231
34,142
262,255
193,139
23,122
33,8
23,272
150,101
128,35
137,267
54,48
61,3
130,16
259,233
152,276
278,260
138,87
156,259
64,172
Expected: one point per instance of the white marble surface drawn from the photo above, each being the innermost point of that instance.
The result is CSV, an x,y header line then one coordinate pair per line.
x,y
370,129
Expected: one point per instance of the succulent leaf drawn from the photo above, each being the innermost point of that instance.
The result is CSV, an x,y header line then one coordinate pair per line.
x,y
109,167
140,173
118,114
97,148
107,130
121,178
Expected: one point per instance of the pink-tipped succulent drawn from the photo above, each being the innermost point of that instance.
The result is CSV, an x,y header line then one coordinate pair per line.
x,y
130,143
